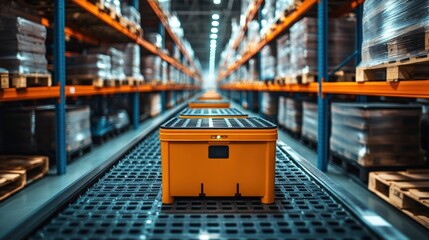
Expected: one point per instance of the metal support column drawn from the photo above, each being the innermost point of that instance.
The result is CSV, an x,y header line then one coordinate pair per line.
x,y
259,65
359,39
60,74
323,102
161,30
136,95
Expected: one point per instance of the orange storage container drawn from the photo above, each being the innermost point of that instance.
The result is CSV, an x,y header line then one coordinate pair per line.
x,y
210,95
209,104
218,157
212,112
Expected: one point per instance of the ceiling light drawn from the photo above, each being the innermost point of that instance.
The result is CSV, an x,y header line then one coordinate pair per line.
x,y
213,36
215,16
216,1
214,30
215,23
213,41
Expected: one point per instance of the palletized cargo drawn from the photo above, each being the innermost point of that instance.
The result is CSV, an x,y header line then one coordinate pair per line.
x,y
209,104
216,157
212,113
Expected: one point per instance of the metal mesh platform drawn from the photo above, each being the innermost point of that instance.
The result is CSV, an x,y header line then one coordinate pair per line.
x,y
218,123
125,203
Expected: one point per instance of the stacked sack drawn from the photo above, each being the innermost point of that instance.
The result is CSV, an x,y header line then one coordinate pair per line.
x,y
89,66
268,63
22,46
283,56
151,64
116,60
377,134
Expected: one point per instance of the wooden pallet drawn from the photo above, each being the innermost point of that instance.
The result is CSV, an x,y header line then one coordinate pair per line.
x,y
303,78
35,167
4,80
10,182
407,190
30,80
109,10
343,76
96,82
309,141
409,68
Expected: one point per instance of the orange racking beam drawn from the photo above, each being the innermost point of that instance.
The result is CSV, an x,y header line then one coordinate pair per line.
x,y
73,33
158,11
404,88
32,93
305,6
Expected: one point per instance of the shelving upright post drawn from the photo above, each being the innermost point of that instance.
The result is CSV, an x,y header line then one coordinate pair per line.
x,y
161,30
59,80
323,101
136,95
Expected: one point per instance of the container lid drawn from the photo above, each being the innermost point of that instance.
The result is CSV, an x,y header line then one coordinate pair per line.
x,y
215,112
210,101
218,123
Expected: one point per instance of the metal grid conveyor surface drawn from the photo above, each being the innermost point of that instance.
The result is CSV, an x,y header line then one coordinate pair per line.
x,y
126,204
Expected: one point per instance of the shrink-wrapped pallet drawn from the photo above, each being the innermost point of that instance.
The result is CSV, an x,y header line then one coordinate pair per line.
x,y
22,46
309,121
377,134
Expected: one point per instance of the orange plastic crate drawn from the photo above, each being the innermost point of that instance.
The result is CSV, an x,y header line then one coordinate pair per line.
x,y
209,104
212,112
218,157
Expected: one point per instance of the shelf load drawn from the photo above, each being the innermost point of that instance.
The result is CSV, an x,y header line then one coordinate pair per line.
x,y
117,61
212,113
290,114
131,60
152,64
270,105
209,104
303,46
394,31
377,134
22,46
89,66
31,130
309,121
218,157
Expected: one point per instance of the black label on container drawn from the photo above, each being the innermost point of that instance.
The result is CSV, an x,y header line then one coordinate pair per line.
x,y
218,152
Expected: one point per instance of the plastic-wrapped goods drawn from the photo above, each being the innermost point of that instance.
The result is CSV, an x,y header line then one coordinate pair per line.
x,y
165,78
154,38
253,74
283,56
309,121
119,119
22,46
285,6
131,13
269,105
89,66
151,68
268,63
393,30
165,5
303,44
116,60
131,59
31,130
293,115
78,133
268,15
281,112
154,104
377,134
113,4
253,35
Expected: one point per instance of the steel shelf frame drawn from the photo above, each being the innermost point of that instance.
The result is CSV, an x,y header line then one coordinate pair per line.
x,y
406,88
60,91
